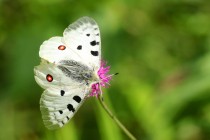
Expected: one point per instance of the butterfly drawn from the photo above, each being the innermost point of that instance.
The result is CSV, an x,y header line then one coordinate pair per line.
x,y
70,70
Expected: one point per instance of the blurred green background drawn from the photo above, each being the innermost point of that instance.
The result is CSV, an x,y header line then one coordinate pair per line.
x,y
160,48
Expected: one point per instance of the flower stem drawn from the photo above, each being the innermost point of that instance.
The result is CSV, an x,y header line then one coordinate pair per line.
x,y
121,126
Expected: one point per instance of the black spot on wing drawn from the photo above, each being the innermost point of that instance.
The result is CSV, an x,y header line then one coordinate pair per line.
x,y
67,117
94,53
79,47
77,99
88,34
62,92
60,111
70,107
93,43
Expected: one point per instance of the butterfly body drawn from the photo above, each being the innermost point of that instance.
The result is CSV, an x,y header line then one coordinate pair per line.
x,y
68,70
78,71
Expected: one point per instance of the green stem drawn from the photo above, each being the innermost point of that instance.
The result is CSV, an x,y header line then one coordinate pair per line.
x,y
121,126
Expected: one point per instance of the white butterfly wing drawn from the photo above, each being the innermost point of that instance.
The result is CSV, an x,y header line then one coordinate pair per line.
x,y
63,96
54,50
48,70
83,36
81,42
59,105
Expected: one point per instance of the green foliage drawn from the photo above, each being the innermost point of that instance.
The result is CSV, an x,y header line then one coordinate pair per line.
x,y
160,48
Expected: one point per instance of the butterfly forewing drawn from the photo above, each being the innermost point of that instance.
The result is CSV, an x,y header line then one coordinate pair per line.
x,y
54,50
81,42
83,36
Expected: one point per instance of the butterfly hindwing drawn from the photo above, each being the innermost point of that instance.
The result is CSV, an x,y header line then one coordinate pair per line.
x,y
59,105
63,95
48,70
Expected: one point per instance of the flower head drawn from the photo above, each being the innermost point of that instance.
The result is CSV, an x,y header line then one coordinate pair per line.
x,y
104,79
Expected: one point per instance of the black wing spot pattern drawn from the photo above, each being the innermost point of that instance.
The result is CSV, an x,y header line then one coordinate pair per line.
x,y
94,53
93,43
77,99
79,47
97,34
70,107
88,34
67,118
62,92
60,111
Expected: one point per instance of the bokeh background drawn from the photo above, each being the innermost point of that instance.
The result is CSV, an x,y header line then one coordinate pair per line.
x,y
161,50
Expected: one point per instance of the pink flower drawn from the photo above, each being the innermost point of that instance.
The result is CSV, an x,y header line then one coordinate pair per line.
x,y
104,79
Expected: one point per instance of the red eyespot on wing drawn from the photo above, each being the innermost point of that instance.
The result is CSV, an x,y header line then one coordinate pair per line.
x,y
49,78
62,47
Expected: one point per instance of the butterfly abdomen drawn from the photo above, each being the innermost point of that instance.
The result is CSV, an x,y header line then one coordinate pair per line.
x,y
76,71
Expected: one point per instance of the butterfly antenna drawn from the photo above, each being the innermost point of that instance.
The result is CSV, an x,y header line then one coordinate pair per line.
x,y
116,73
109,76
